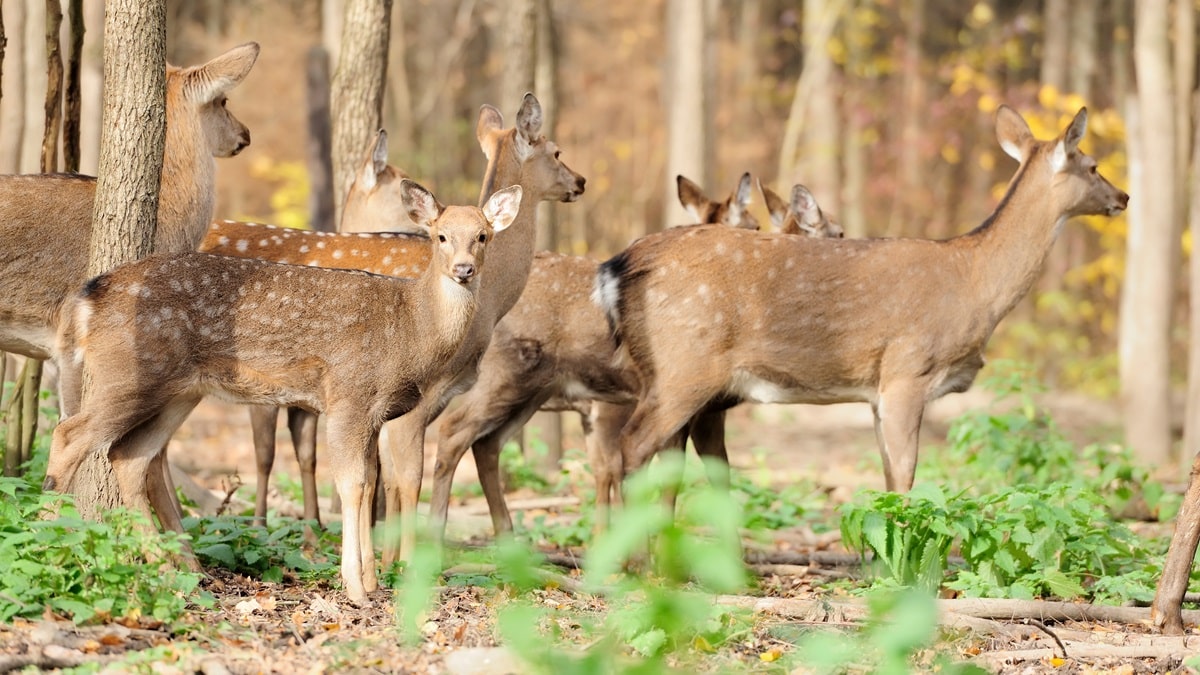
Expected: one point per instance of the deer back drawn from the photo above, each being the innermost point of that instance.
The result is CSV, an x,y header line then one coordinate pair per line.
x,y
46,219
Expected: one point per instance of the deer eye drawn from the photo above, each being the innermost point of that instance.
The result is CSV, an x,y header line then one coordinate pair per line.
x,y
1092,168
442,238
557,153
482,237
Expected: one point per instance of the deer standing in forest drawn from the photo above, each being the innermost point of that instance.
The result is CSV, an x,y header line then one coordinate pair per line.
x,y
516,156
394,246
714,314
46,219
553,351
158,335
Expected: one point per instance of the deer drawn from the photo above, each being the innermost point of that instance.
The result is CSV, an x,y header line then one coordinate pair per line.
x,y
373,205
158,335
46,219
896,323
518,155
553,351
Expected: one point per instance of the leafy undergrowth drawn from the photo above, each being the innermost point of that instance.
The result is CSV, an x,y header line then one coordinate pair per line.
x,y
1011,509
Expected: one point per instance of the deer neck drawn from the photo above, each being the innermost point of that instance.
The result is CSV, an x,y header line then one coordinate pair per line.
x,y
185,202
446,307
1010,247
510,254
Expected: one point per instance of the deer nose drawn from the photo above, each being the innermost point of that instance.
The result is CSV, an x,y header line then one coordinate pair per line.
x,y
242,141
1123,198
463,272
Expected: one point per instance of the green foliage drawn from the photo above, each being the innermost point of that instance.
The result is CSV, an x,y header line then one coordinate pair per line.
x,y
766,507
82,569
563,533
901,627
233,542
519,473
1014,441
1020,542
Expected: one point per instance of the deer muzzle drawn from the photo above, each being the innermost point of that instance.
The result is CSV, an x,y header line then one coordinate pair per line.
x,y
463,272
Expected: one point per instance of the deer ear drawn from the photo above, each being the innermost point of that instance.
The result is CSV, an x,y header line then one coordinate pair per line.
x,y
1013,133
1069,141
422,207
691,197
204,84
376,164
804,204
776,207
502,207
490,120
742,194
529,118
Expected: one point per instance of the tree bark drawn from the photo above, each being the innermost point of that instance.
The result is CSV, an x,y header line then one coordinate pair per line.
x,y
125,213
913,194
1147,297
1085,42
518,28
320,153
72,102
1056,43
54,82
356,99
12,106
687,106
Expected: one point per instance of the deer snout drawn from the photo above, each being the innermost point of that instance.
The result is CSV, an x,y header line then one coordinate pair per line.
x,y
577,190
243,140
463,272
49,484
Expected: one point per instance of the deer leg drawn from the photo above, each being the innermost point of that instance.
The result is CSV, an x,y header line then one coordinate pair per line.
x,y
459,429
602,439
350,443
402,463
262,428
137,462
656,422
303,426
708,437
898,412
165,503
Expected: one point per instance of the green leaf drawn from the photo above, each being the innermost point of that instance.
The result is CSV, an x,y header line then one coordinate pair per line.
x,y
222,553
649,643
1062,585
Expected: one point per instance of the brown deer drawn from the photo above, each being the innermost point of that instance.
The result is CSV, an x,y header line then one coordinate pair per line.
x,y
520,155
897,323
158,335
46,219
374,205
553,351
516,156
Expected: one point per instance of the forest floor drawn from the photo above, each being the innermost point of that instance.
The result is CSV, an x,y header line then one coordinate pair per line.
x,y
309,627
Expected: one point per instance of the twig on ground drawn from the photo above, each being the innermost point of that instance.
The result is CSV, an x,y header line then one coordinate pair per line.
x,y
545,576
1085,651
235,482
1041,626
768,569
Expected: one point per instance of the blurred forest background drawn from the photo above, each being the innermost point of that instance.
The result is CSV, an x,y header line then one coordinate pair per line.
x,y
884,108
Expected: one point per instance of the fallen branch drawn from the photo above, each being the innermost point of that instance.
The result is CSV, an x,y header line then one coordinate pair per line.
x,y
48,657
481,509
1085,651
547,577
768,569
797,558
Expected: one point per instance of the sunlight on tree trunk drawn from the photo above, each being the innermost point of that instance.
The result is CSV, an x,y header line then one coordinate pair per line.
x,y
684,89
1152,248
12,106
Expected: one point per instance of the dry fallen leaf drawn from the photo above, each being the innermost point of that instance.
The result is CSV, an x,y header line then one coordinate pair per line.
x,y
248,606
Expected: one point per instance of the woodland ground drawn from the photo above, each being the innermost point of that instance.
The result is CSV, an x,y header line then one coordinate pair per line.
x,y
304,627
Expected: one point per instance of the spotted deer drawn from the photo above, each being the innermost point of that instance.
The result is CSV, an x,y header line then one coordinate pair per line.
x,y
516,156
158,335
892,322
46,219
373,205
553,351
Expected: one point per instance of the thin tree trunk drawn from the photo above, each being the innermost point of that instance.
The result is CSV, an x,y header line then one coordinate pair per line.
x,y
684,87
73,101
12,105
913,184
1056,43
1152,248
1085,42
125,213
518,42
399,115
356,101
319,156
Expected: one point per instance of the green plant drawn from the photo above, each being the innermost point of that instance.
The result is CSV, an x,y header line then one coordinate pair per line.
x,y
83,569
518,472
1015,441
775,508
1019,542
233,542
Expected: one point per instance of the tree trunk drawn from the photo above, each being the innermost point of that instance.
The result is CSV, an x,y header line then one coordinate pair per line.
x,y
35,83
125,213
687,107
356,100
399,111
1166,612
319,156
519,26
1085,44
1056,43
12,106
73,101
913,193
1147,297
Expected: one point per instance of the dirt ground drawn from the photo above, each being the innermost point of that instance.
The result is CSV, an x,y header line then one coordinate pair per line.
x,y
295,627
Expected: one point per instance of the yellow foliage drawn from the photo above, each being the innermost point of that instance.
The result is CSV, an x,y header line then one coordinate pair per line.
x,y
951,154
289,200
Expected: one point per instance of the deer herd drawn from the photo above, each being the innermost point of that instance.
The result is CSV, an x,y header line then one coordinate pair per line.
x,y
412,304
